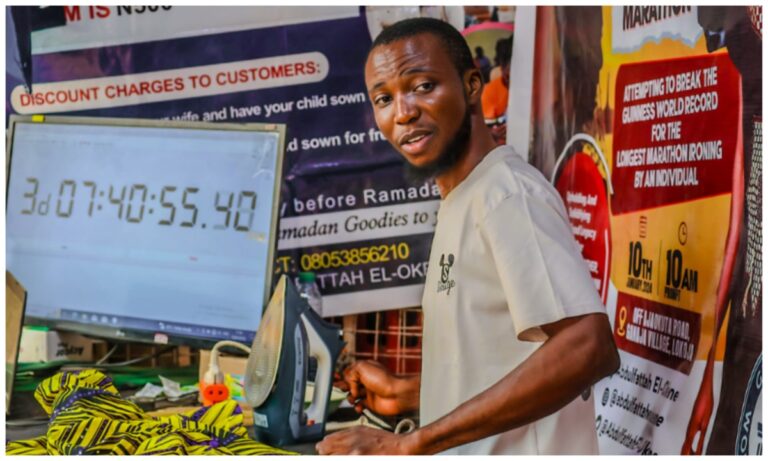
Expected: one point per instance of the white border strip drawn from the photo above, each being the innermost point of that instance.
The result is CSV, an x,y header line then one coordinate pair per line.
x,y
380,300
521,81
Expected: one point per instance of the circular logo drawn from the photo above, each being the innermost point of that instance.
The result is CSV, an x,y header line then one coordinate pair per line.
x,y
581,179
749,438
682,233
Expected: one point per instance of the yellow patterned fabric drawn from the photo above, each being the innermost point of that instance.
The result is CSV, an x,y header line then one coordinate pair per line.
x,y
88,417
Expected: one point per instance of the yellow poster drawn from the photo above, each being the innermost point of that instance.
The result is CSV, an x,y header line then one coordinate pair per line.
x,y
645,118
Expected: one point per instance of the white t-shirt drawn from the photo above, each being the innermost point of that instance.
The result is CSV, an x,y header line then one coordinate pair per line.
x,y
503,262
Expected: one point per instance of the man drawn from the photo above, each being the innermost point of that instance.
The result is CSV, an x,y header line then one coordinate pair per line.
x,y
496,94
514,332
482,63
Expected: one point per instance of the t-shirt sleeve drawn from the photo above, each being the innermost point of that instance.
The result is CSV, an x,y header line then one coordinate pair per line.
x,y
542,272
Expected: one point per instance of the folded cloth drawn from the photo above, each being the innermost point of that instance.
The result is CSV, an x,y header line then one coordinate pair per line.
x,y
88,417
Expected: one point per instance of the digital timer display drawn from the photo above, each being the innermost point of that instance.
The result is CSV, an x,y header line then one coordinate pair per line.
x,y
40,203
163,225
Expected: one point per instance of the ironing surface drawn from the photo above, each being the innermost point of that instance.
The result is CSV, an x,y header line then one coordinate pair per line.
x,y
89,417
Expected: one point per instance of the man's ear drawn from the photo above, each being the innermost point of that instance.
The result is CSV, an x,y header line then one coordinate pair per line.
x,y
473,85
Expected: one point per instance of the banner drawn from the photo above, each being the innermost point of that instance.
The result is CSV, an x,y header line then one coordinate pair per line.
x,y
648,120
347,212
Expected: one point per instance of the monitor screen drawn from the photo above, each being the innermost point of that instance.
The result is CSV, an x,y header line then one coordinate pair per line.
x,y
144,229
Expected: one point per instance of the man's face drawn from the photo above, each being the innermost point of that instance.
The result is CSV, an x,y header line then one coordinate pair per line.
x,y
418,99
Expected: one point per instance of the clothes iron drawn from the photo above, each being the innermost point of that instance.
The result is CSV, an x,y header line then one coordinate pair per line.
x,y
276,375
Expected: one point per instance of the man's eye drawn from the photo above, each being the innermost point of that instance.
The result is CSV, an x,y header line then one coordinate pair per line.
x,y
424,87
382,100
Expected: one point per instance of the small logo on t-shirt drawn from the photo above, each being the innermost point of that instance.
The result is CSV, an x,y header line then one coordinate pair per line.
x,y
445,282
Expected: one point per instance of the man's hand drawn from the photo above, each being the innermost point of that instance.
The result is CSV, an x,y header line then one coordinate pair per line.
x,y
372,386
364,441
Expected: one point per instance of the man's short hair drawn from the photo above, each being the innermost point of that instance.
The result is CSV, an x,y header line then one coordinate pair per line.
x,y
453,42
504,50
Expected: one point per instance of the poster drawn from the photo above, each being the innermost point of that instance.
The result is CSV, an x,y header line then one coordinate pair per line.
x,y
347,213
648,120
